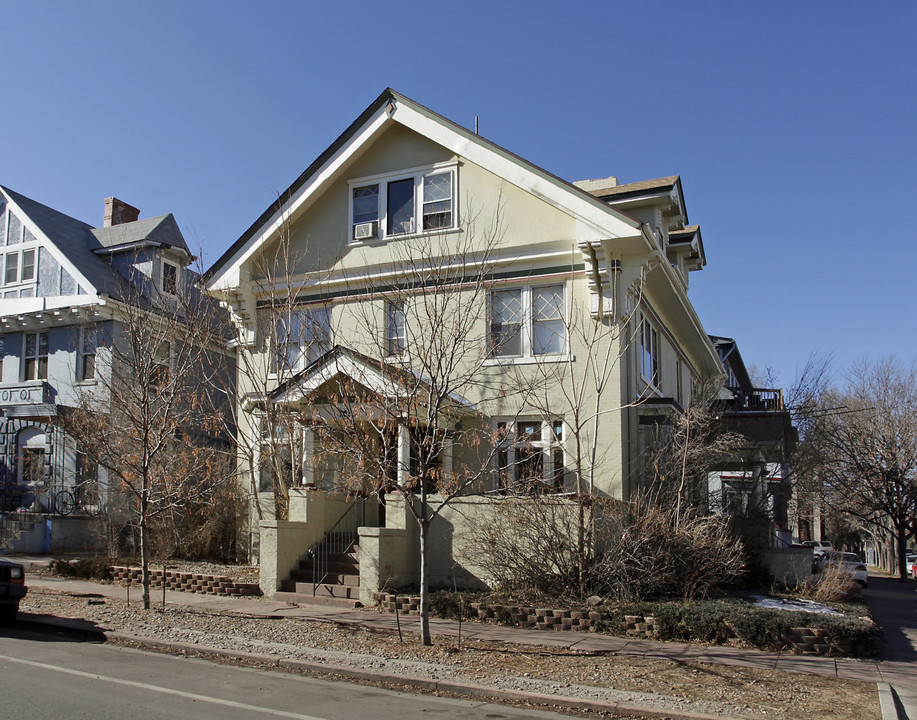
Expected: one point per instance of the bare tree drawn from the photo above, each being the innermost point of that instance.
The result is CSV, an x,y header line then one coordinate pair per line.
x,y
419,337
868,448
148,420
273,338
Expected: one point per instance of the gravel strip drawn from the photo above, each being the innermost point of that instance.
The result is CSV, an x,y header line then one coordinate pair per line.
x,y
662,685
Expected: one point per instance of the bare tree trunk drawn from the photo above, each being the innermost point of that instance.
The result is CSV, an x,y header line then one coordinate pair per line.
x,y
901,538
424,583
144,553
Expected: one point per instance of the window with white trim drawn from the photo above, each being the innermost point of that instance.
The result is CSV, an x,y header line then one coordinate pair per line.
x,y
649,353
529,321
422,201
161,366
19,266
86,357
395,328
531,456
169,280
301,336
35,356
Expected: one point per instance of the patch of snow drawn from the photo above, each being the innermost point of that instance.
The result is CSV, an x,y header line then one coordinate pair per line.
x,y
797,605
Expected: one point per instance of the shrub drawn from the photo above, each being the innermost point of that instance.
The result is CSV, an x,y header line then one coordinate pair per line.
x,y
93,568
656,551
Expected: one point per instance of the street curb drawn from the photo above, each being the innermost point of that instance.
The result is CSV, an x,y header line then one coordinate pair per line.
x,y
467,690
888,702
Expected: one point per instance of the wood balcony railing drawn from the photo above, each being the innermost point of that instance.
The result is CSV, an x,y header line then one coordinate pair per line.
x,y
757,400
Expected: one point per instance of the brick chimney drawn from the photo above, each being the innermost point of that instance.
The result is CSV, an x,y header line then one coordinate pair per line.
x,y
118,212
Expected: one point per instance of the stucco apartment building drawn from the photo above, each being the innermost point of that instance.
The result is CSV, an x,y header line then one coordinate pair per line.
x,y
324,290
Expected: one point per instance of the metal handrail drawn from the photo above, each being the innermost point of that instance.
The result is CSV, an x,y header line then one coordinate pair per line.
x,y
337,541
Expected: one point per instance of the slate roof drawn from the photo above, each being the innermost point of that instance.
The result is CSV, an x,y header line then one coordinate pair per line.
x,y
80,243
162,230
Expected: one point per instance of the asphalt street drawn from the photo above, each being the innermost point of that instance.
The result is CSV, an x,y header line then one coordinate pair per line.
x,y
52,676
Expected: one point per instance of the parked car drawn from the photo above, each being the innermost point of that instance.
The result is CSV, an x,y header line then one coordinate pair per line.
x,y
910,563
848,564
12,589
819,547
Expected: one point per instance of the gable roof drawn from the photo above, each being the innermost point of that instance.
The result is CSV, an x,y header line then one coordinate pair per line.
x,y
388,380
162,230
82,249
392,106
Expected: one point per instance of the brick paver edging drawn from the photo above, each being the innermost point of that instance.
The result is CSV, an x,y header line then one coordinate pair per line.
x,y
186,582
799,640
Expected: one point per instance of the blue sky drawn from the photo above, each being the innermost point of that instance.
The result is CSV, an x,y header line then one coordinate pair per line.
x,y
792,125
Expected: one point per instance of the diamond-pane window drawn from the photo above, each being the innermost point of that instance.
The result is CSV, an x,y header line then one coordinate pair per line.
x,y
437,201
365,204
506,322
548,320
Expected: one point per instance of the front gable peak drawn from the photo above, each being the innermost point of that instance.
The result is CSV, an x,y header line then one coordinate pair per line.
x,y
422,200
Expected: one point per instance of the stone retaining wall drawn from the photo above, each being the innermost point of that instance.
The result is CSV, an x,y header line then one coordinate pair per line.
x,y
799,640
186,582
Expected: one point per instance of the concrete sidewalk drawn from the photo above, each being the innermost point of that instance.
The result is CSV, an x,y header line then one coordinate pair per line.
x,y
895,668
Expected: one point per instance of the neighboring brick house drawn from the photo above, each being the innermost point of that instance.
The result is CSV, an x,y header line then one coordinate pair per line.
x,y
63,284
594,251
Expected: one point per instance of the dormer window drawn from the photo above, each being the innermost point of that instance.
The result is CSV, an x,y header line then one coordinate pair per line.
x,y
402,204
169,278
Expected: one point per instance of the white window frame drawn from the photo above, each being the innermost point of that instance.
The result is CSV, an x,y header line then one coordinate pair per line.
x,y
309,348
527,330
36,357
649,357
160,365
381,182
82,353
550,445
19,253
396,338
162,276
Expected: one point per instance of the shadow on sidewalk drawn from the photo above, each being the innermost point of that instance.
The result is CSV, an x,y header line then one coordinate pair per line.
x,y
893,603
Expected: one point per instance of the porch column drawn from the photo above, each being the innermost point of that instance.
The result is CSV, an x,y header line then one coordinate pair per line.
x,y
404,454
547,464
308,453
447,457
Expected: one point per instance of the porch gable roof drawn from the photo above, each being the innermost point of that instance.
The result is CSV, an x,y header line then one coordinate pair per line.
x,y
384,379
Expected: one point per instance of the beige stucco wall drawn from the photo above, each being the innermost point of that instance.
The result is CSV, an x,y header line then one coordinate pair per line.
x,y
542,238
284,542
390,556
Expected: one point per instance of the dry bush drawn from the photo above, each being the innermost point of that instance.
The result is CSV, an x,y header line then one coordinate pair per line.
x,y
649,550
655,551
528,547
830,585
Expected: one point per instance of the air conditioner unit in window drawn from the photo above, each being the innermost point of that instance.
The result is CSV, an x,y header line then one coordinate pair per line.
x,y
364,231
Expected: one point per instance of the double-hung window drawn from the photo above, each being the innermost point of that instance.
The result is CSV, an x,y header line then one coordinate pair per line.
x,y
169,278
649,353
395,328
531,455
35,356
420,201
301,336
86,358
19,267
527,322
161,365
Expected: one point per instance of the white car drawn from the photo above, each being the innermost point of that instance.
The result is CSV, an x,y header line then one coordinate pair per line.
x,y
910,562
819,547
849,564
